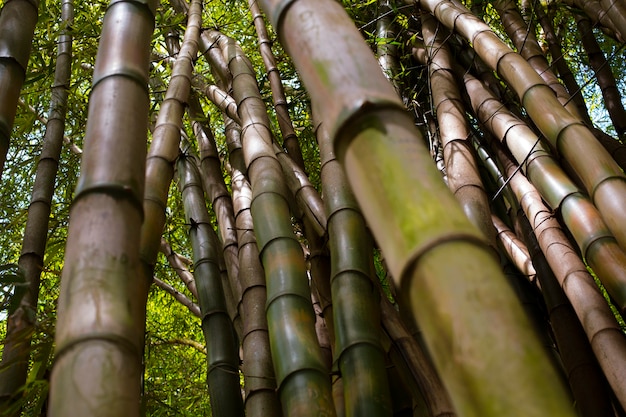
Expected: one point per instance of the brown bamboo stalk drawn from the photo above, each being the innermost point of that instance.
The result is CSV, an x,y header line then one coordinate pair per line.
x,y
525,41
17,26
404,201
599,16
21,324
164,147
604,180
589,386
604,76
419,365
461,167
101,310
290,140
616,12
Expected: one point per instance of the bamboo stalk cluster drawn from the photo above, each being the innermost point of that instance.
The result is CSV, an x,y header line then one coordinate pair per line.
x,y
492,307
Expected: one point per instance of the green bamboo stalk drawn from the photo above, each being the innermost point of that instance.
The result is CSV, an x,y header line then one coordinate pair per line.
x,y
215,187
290,140
604,180
298,362
258,369
417,222
603,332
101,309
21,324
596,243
17,26
461,167
358,351
222,349
166,139
260,382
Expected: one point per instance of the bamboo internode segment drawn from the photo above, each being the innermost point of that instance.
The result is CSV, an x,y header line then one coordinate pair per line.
x,y
101,312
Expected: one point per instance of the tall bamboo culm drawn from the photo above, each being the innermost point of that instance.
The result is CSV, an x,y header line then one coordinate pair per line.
x,y
101,309
222,349
17,26
358,350
418,224
20,324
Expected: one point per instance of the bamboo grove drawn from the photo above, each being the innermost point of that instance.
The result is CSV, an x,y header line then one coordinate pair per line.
x,y
313,208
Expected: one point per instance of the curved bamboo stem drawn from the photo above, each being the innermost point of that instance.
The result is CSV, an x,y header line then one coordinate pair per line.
x,y
101,310
166,139
404,201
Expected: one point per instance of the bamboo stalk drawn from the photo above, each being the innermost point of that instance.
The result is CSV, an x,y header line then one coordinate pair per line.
x,y
290,140
166,139
17,26
604,180
404,201
101,310
515,249
222,350
461,167
21,324
221,202
178,296
358,351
